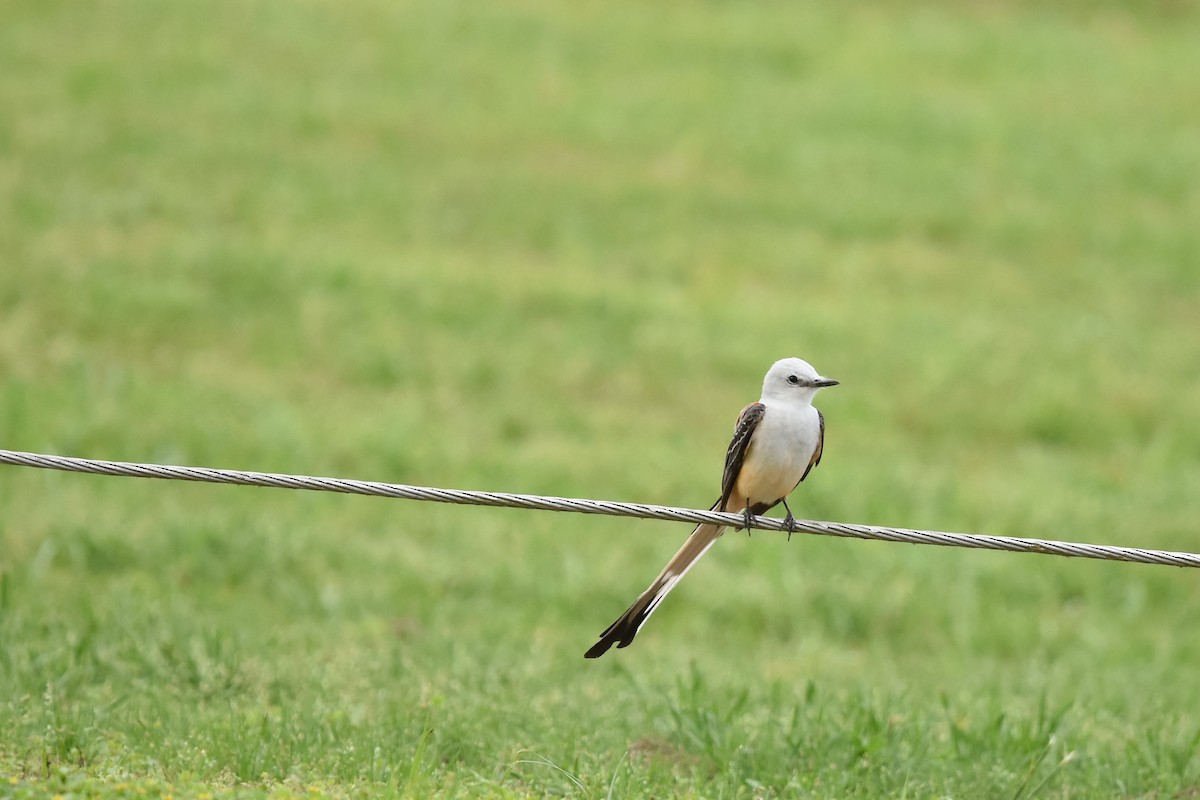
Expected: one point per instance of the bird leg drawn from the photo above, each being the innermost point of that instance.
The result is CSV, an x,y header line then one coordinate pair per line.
x,y
747,516
789,522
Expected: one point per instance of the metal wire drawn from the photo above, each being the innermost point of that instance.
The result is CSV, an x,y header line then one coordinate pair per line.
x,y
607,507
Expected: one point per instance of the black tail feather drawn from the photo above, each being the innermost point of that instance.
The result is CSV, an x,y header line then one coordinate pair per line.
x,y
622,631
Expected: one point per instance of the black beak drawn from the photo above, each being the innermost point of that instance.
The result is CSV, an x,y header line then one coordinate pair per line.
x,y
821,383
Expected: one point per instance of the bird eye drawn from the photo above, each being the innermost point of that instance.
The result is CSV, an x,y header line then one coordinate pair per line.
x,y
793,379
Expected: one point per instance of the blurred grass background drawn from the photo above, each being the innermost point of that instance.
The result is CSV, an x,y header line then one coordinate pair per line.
x,y
552,249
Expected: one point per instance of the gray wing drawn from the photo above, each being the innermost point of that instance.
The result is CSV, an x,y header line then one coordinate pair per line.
x,y
739,446
816,456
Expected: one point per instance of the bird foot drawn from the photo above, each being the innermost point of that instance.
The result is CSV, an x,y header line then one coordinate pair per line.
x,y
789,525
747,516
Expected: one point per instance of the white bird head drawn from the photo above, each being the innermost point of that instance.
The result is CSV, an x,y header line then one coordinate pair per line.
x,y
793,379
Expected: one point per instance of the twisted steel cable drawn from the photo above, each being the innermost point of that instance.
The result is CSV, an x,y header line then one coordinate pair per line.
x,y
607,507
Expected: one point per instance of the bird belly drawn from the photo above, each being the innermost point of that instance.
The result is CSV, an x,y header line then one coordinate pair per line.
x,y
779,454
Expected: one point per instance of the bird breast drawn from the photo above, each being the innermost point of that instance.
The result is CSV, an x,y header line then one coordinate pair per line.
x,y
780,452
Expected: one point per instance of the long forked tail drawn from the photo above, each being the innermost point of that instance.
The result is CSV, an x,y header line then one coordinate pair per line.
x,y
622,631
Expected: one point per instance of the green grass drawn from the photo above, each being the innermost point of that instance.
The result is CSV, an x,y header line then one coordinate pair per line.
x,y
552,248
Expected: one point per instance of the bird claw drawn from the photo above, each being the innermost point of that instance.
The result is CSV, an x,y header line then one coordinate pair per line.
x,y
747,517
789,522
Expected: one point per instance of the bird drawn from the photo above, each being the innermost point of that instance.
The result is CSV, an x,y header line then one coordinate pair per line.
x,y
776,443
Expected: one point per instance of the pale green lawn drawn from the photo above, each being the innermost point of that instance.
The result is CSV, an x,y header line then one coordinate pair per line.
x,y
552,248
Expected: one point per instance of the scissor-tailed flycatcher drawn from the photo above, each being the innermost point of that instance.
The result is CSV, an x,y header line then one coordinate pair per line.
x,y
776,442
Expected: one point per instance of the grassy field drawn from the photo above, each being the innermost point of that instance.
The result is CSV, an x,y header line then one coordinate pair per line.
x,y
552,248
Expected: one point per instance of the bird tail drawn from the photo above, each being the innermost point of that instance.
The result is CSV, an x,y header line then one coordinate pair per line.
x,y
622,631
